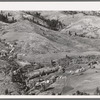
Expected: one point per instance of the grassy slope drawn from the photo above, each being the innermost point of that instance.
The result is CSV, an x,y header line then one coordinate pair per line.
x,y
39,42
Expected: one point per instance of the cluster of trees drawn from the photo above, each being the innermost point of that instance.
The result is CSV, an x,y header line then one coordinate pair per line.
x,y
54,24
4,18
93,13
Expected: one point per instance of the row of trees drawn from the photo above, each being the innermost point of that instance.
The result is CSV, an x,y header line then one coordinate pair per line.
x,y
53,24
96,92
71,12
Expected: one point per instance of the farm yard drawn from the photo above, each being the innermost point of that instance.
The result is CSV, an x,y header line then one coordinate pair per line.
x,y
66,76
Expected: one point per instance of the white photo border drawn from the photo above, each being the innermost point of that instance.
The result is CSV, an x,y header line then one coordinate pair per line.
x,y
47,6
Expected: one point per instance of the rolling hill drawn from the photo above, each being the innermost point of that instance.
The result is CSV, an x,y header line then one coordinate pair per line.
x,y
37,41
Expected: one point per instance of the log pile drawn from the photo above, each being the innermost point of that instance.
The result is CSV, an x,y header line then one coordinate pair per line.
x,y
42,72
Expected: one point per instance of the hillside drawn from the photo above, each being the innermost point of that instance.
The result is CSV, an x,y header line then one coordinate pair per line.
x,y
36,40
49,52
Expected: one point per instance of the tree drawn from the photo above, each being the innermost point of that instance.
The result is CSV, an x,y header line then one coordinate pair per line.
x,y
70,33
37,14
97,91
